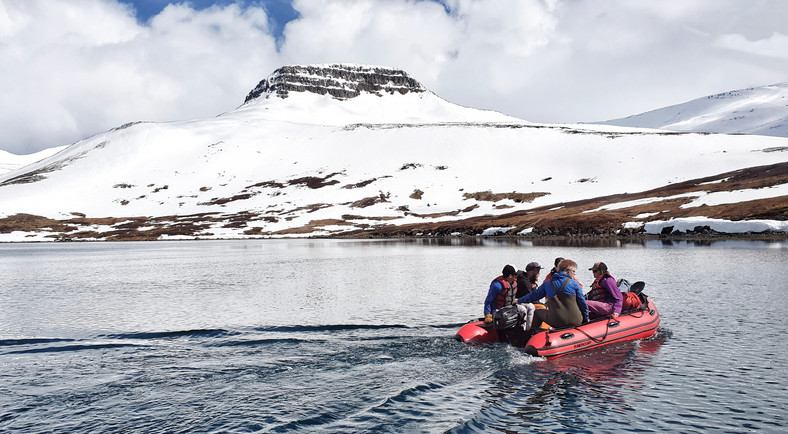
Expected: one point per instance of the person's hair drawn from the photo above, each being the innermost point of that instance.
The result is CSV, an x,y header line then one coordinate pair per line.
x,y
566,263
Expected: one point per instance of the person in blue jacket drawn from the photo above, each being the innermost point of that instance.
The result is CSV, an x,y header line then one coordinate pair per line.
x,y
566,304
501,293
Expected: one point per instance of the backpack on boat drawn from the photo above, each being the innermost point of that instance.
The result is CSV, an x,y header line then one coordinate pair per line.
x,y
630,301
629,292
507,317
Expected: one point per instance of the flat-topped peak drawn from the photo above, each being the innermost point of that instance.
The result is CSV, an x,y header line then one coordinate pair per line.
x,y
341,81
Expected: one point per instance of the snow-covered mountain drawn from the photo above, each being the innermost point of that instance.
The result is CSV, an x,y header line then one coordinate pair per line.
x,y
352,150
762,111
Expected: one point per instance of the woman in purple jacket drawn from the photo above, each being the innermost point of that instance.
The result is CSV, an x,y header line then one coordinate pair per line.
x,y
605,297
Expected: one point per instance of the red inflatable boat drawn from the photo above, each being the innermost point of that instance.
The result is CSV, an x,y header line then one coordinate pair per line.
x,y
635,324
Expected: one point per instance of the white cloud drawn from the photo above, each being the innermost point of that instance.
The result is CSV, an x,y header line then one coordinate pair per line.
x,y
774,46
509,28
415,36
71,69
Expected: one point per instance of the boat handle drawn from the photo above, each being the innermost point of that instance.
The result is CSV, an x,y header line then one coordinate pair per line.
x,y
613,324
567,336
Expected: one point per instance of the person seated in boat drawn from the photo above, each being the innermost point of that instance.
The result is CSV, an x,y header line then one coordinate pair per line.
x,y
502,292
527,280
604,298
555,268
566,305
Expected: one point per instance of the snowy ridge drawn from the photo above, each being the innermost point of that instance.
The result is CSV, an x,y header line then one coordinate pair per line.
x,y
757,111
10,162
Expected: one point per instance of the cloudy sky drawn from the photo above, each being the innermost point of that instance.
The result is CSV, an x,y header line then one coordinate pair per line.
x,y
73,68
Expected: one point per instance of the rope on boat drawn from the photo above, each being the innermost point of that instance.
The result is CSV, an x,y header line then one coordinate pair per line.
x,y
642,312
607,330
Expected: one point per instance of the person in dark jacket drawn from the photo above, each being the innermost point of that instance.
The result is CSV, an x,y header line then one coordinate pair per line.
x,y
566,305
554,269
604,298
527,280
502,292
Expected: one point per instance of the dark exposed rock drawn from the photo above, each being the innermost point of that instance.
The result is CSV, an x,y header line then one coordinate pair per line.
x,y
314,182
363,183
667,230
489,196
338,80
224,200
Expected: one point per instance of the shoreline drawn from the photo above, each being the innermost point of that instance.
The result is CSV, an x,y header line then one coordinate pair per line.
x,y
537,240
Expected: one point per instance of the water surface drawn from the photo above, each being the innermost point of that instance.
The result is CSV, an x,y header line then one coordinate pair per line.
x,y
355,336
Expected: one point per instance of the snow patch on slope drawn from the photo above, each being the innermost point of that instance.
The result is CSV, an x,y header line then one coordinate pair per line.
x,y
719,225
